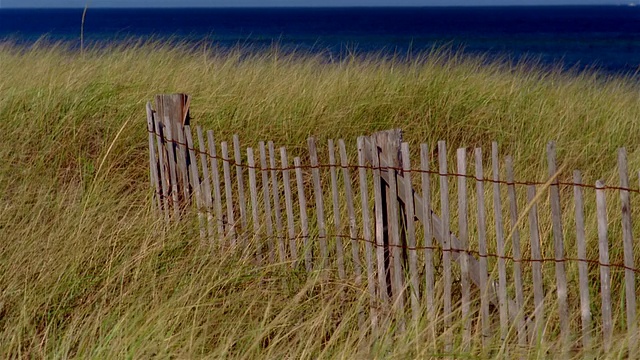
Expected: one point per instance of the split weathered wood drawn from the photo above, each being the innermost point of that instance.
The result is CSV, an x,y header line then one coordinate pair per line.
x,y
206,183
383,292
336,209
414,289
276,203
183,167
482,247
153,162
304,219
463,236
605,276
516,252
163,165
288,201
317,187
627,238
195,181
366,230
351,213
558,245
583,275
267,201
445,234
172,168
237,151
499,225
226,168
215,178
253,193
536,266
428,230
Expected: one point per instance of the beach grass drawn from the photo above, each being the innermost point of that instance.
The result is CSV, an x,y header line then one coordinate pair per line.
x,y
87,269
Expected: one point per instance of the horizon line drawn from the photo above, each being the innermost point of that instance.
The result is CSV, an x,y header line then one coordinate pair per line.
x,y
626,4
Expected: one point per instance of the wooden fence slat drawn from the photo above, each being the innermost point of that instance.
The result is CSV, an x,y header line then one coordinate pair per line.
x,y
366,230
411,236
215,178
288,200
627,236
605,277
206,182
317,186
516,252
195,181
394,239
267,201
482,246
304,219
558,245
183,171
336,209
353,226
276,203
377,200
536,265
163,164
583,274
172,167
428,230
499,224
253,191
226,168
446,235
463,236
153,162
237,151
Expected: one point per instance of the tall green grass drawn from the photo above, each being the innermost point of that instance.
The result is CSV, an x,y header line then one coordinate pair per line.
x,y
88,270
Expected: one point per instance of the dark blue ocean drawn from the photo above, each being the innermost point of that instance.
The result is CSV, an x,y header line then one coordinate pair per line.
x,y
606,38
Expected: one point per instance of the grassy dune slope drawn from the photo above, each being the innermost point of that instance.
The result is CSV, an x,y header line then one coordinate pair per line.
x,y
85,267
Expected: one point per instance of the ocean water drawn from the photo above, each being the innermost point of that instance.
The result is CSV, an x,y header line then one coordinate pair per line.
x,y
606,38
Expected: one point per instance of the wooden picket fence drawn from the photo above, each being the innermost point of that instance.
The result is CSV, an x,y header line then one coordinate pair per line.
x,y
400,242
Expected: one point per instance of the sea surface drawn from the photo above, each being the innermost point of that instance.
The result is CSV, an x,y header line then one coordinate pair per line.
x,y
606,38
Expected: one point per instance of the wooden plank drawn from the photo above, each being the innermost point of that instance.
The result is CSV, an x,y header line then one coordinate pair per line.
x,y
163,165
499,225
463,236
482,248
183,168
627,238
336,209
366,230
206,183
304,219
195,181
215,179
267,201
288,200
317,187
353,226
172,168
428,230
276,203
153,161
237,151
226,168
558,245
414,289
536,265
445,234
516,252
394,238
583,274
605,276
378,208
253,193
